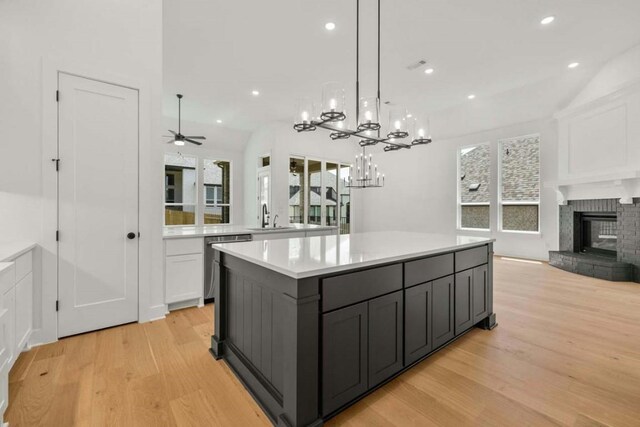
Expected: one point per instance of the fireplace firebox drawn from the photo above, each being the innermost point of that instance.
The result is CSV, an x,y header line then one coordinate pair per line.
x,y
599,233
599,238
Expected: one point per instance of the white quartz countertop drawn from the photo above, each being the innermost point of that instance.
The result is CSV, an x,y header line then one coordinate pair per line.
x,y
12,250
222,230
313,256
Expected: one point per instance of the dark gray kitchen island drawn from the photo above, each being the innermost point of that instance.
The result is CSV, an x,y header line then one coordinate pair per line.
x,y
311,325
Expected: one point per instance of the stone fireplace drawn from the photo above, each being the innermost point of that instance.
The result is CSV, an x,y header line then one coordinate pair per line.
x,y
600,238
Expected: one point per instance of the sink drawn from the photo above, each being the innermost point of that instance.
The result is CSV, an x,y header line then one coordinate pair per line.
x,y
270,228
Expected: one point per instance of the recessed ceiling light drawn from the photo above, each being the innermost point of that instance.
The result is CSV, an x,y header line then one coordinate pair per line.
x,y
574,65
429,71
255,92
409,115
472,96
547,20
218,121
330,26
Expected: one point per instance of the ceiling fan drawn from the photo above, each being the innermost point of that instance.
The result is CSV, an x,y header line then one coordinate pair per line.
x,y
178,138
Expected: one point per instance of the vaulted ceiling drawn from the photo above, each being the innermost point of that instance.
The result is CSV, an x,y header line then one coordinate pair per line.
x,y
216,52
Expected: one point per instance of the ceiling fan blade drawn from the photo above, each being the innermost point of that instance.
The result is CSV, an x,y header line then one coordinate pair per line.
x,y
193,142
196,137
172,132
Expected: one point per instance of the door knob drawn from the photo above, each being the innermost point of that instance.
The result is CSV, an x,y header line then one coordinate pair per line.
x,y
131,235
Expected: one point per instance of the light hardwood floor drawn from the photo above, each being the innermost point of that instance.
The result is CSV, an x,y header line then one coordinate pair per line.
x,y
566,352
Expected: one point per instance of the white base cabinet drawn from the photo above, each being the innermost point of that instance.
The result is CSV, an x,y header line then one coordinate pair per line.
x,y
184,270
16,317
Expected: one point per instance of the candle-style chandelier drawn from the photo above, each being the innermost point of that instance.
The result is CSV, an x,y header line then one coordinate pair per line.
x,y
404,131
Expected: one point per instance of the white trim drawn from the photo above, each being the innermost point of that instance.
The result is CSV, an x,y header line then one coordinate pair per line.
x,y
157,312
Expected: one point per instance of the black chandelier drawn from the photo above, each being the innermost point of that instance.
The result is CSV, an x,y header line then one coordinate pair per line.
x,y
332,117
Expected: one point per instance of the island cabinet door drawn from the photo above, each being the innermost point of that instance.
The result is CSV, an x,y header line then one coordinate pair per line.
x,y
344,356
385,337
418,340
443,318
464,301
480,293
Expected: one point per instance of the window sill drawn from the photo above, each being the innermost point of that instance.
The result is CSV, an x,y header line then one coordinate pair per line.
x,y
531,233
478,230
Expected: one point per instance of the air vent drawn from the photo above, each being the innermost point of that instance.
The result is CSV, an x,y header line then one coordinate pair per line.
x,y
416,65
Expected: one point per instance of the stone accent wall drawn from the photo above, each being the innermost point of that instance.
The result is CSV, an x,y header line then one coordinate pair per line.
x,y
628,243
629,230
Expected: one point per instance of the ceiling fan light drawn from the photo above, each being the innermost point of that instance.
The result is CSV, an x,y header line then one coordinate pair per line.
x,y
179,142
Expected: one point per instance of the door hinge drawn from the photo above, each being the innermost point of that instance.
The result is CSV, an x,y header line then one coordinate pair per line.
x,y
57,161
57,96
57,235
57,305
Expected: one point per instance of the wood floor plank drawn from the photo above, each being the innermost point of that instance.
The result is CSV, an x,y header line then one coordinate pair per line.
x,y
566,352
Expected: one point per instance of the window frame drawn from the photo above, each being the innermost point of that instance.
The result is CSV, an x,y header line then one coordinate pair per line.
x,y
323,189
502,202
459,203
201,202
164,191
204,204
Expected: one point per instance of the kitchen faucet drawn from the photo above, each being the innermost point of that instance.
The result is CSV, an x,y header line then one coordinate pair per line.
x,y
265,215
275,220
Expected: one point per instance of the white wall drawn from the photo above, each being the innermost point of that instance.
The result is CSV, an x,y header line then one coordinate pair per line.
x,y
280,141
616,74
420,190
119,39
221,144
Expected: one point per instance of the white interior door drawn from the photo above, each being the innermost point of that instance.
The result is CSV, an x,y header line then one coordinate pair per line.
x,y
97,205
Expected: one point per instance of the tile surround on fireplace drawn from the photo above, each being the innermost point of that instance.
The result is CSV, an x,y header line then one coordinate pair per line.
x,y
625,266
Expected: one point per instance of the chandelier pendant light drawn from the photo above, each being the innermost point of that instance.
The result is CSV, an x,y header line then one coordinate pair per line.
x,y
404,131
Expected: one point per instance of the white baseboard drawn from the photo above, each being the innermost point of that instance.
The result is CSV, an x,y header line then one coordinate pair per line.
x,y
156,312
184,304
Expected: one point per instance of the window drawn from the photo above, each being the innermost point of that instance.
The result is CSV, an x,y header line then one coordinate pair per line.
x,y
331,194
317,189
520,184
296,191
345,200
217,191
314,195
473,187
180,191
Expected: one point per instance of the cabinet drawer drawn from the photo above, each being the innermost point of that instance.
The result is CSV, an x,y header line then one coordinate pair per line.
x,y
24,265
184,246
428,269
350,288
471,258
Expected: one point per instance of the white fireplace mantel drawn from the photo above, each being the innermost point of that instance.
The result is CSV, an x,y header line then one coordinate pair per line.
x,y
599,148
621,185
